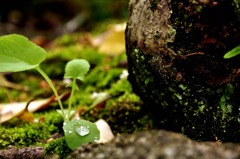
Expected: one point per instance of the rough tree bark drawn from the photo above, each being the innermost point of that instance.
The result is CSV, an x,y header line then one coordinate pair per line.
x,y
175,52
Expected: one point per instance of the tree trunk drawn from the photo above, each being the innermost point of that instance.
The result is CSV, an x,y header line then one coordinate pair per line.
x,y
175,52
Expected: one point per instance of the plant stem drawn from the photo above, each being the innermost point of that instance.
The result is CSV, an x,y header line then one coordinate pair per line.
x,y
71,97
45,76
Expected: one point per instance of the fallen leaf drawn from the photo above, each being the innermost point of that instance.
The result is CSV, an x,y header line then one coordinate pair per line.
x,y
19,109
11,110
111,42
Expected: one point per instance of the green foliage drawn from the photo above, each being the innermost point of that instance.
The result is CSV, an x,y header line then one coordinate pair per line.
x,y
58,146
24,136
75,52
78,132
11,61
104,77
225,98
234,52
76,69
122,110
19,133
54,63
19,54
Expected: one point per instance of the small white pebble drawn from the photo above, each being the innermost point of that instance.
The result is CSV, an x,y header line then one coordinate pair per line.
x,y
124,74
95,95
106,133
67,81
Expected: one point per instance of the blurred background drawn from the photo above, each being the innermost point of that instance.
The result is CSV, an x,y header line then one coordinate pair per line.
x,y
52,18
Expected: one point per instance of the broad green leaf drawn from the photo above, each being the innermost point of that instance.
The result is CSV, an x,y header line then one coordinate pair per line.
x,y
17,53
76,68
234,52
79,132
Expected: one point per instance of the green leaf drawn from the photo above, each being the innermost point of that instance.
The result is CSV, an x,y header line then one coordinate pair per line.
x,y
17,53
79,132
76,68
234,52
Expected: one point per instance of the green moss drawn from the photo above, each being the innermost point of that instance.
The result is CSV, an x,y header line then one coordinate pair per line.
x,y
76,51
225,99
57,58
57,146
122,111
67,40
101,77
19,133
121,86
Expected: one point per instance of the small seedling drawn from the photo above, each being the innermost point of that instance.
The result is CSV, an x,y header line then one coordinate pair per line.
x,y
234,52
17,53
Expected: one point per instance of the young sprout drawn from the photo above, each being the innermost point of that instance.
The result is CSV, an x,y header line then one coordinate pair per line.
x,y
75,69
17,53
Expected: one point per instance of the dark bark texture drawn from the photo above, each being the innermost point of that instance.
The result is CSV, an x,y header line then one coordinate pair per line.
x,y
175,52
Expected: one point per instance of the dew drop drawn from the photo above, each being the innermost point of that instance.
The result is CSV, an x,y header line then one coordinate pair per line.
x,y
81,130
96,139
64,123
70,131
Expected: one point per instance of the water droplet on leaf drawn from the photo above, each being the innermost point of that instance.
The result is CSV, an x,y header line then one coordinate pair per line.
x,y
81,130
96,139
70,131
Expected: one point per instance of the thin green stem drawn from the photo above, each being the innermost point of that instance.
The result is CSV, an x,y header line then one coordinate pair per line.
x,y
71,97
45,76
